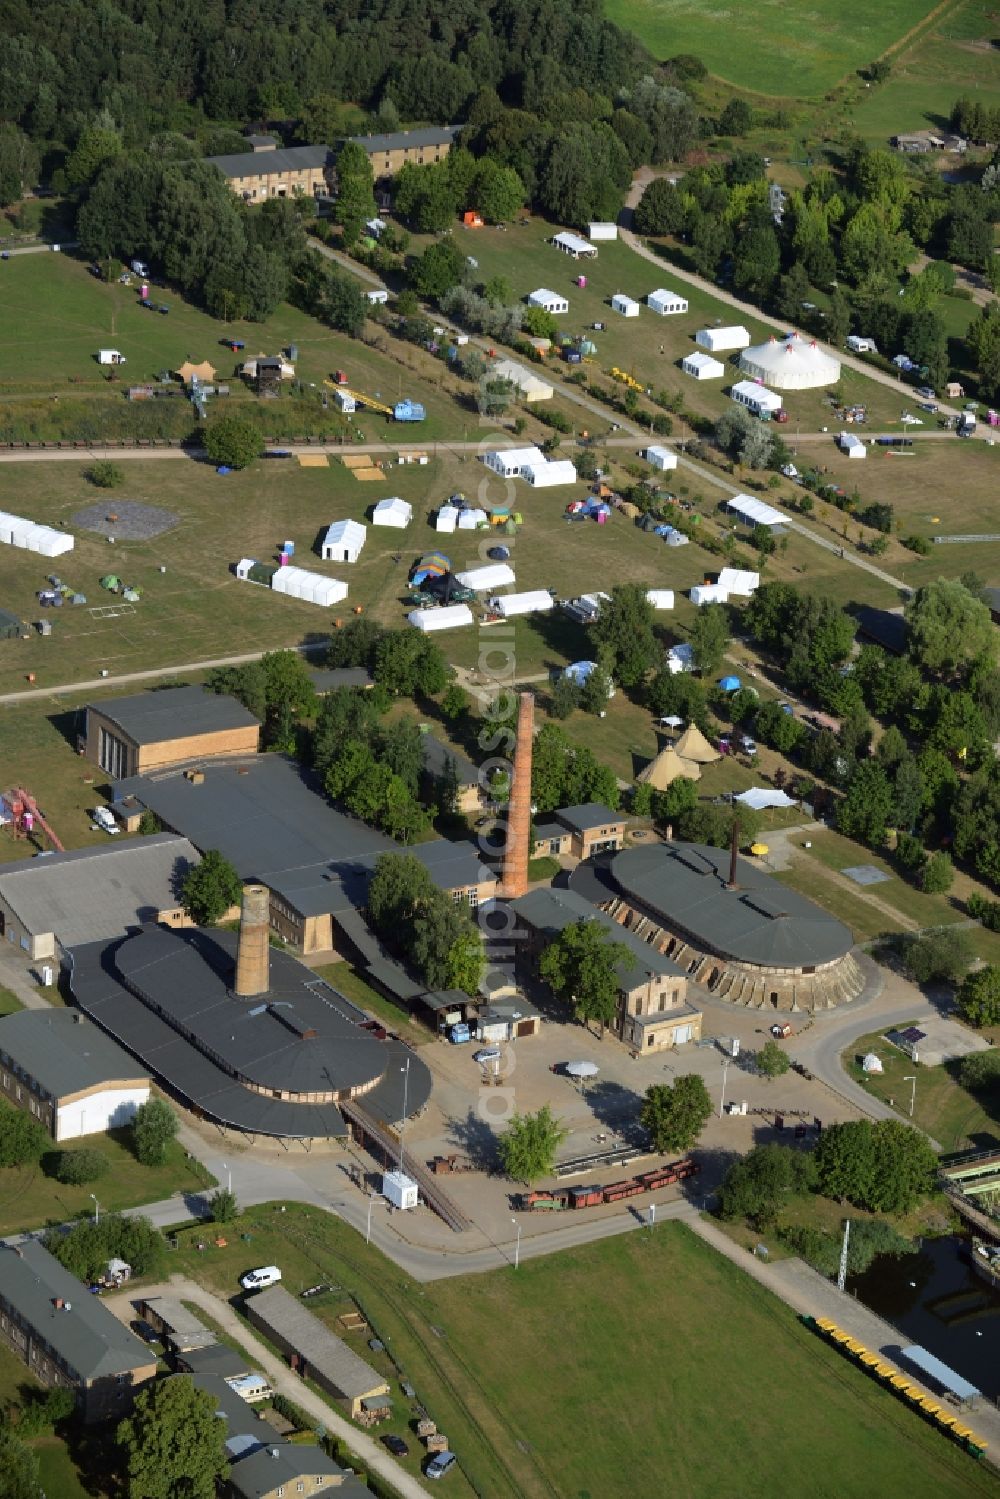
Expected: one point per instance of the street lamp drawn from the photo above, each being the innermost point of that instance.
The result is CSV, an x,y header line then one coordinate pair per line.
x,y
372,1196
517,1248
722,1100
229,1177
913,1092
406,1088
97,1210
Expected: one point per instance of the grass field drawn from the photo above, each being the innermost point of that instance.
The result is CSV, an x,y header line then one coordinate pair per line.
x,y
9,1003
30,1199
958,1120
559,1378
797,51
58,1473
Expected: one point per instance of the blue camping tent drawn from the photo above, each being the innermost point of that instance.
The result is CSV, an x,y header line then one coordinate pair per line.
x,y
729,684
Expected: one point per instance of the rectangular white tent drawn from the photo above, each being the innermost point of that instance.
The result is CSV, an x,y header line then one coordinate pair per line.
x,y
660,598
54,543
737,580
446,519
545,474
471,520
717,340
393,512
760,797
448,617
572,244
602,230
311,588
708,593
756,398
343,541
482,579
661,458
852,445
703,366
510,462
627,306
549,301
530,386
537,601
666,302
754,512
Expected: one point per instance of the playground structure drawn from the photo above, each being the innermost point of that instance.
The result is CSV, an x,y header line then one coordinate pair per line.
x,y
21,814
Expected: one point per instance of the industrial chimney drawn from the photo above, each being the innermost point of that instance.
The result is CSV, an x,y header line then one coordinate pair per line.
x,y
515,862
252,956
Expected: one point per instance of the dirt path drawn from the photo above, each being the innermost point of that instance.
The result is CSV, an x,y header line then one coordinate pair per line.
x,y
281,1377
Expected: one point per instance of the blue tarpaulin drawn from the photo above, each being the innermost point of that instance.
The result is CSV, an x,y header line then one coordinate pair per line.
x,y
729,684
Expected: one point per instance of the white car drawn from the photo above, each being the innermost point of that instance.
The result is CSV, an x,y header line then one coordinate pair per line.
x,y
440,1464
910,420
256,1280
486,1054
105,820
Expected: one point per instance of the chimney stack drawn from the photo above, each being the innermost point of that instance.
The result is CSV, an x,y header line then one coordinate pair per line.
x,y
515,863
252,956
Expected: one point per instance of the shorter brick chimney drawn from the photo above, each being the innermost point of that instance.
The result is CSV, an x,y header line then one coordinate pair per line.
x,y
252,975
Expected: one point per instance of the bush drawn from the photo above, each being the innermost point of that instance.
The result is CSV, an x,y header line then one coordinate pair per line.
x,y
154,1126
224,1206
918,544
980,1071
233,441
979,997
105,474
986,911
942,953
22,1140
292,1412
937,874
74,1168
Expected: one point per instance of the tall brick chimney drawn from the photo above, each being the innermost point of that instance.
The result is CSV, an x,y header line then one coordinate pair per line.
x,y
515,863
252,975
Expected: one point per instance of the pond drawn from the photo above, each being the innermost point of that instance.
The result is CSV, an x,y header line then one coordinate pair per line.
x,y
935,1299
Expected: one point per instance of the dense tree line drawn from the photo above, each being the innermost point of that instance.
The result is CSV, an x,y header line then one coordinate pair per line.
x,y
434,934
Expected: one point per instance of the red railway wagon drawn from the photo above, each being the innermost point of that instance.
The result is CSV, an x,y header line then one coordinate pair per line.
x,y
665,1176
619,1190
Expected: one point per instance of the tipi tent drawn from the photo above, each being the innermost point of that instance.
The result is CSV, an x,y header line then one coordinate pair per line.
x,y
667,768
692,745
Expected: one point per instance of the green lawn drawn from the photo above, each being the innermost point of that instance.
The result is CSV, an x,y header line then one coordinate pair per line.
x,y
9,1002
838,852
31,1199
547,1381
786,51
958,1120
864,920
348,982
60,1479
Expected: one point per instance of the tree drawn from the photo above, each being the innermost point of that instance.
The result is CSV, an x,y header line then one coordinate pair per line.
x,y
77,1167
85,1250
438,269
355,190
979,996
408,665
772,1060
18,164
983,340
937,874
583,968
675,1115
564,697
756,261
399,886
661,209
595,690
497,192
885,1167
223,1206
22,1139
709,638
455,703
153,1128
106,475
19,1467
942,953
756,1187
233,441
864,812
98,144
624,628
210,888
173,1444
736,118
947,628
980,1071
528,1145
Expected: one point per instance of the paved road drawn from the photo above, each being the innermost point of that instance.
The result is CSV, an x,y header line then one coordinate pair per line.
x,y
281,1377
356,269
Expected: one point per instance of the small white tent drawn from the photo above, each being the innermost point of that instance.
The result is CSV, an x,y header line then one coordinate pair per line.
x,y
739,581
471,520
446,519
661,458
393,512
482,579
537,601
707,593
666,302
703,366
343,541
871,1063
627,306
660,598
449,617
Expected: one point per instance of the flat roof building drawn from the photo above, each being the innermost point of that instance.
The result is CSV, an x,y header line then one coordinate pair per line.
x,y
67,1074
130,736
66,1337
315,1352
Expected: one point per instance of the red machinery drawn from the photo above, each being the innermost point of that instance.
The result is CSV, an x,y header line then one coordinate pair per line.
x,y
25,817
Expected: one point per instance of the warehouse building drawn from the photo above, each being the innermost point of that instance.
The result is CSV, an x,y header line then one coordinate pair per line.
x,y
318,1354
67,1074
129,736
67,1338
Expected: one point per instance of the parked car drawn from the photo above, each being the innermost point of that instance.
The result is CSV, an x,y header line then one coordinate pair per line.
x,y
927,392
486,1054
440,1464
395,1444
256,1280
104,819
747,745
459,1034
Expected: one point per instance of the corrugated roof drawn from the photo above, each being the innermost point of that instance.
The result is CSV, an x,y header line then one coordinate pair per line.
x,y
64,1052
283,159
87,1337
329,1356
94,893
174,713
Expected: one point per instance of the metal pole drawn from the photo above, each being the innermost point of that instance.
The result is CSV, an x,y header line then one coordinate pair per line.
x,y
517,1247
97,1210
842,1273
402,1128
371,1204
913,1092
652,1214
229,1176
722,1100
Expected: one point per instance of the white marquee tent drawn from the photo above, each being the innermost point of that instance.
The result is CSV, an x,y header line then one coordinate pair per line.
x,y
343,541
736,580
448,617
549,472
717,340
311,588
393,512
660,598
471,520
707,593
29,537
536,601
760,797
703,366
790,363
755,512
482,579
447,518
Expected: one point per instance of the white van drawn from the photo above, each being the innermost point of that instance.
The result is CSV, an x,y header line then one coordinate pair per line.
x,y
256,1280
111,356
104,819
440,1464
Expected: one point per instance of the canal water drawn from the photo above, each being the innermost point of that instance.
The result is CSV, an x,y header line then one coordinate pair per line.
x,y
935,1299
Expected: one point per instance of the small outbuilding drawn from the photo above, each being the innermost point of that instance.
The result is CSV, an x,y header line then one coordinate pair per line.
x,y
721,340
702,366
627,306
661,458
343,541
549,301
756,398
377,296
602,230
660,598
393,512
666,302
